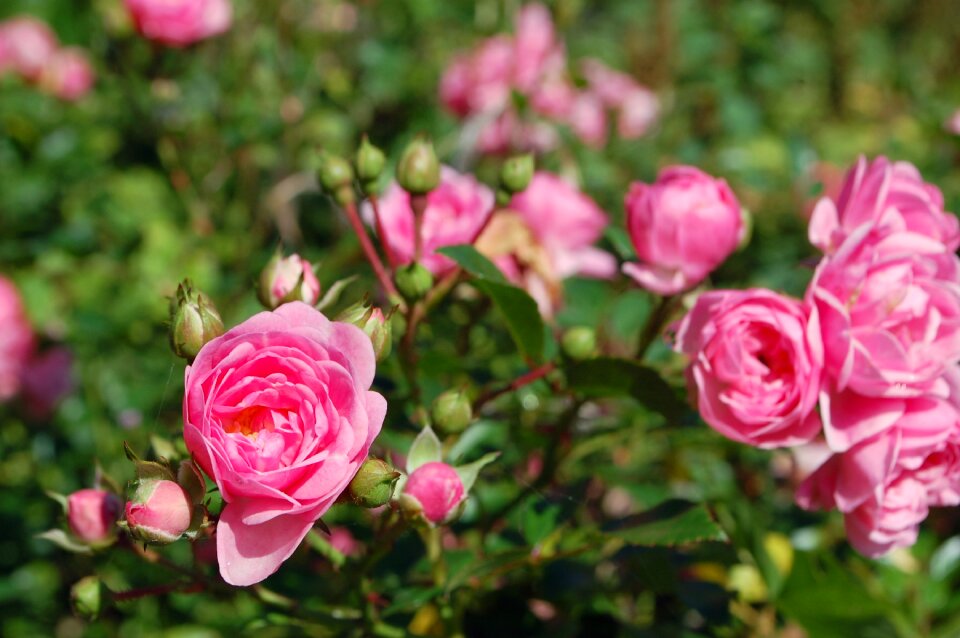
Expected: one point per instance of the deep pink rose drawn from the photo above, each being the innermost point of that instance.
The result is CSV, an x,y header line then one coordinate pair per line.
x,y
68,74
160,512
26,46
456,212
567,223
178,23
754,369
92,515
683,226
46,380
888,309
892,194
456,84
16,340
278,413
437,489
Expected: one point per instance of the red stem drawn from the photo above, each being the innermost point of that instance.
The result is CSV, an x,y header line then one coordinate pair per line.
x,y
419,205
516,384
391,256
354,218
158,590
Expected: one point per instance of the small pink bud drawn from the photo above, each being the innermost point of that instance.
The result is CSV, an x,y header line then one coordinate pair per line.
x,y
160,512
437,489
92,514
288,279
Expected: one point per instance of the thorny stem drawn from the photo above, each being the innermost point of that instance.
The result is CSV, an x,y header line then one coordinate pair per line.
x,y
516,384
371,253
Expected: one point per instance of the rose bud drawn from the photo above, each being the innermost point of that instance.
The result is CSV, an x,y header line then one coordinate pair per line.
x,y
683,226
370,163
373,485
374,324
451,411
418,171
579,343
92,515
516,173
435,491
159,512
86,597
413,281
194,321
286,279
336,178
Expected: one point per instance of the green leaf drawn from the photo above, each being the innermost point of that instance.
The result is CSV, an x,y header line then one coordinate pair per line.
x,y
521,314
324,548
425,448
672,523
333,293
64,541
471,260
607,376
468,473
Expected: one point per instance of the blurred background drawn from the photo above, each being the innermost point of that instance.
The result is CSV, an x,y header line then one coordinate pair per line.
x,y
198,162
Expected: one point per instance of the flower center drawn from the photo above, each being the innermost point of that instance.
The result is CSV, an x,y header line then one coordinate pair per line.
x,y
250,422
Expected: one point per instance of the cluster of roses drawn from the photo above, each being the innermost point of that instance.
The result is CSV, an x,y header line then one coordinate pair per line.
x,y
480,85
30,50
875,344
39,378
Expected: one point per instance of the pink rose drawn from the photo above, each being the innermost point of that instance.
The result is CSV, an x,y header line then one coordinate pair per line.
x,y
280,280
588,119
178,23
342,540
567,223
160,512
92,515
637,105
890,193
16,340
683,226
436,489
609,85
26,46
888,313
455,86
754,369
537,51
46,380
456,212
638,113
278,413
952,124
68,75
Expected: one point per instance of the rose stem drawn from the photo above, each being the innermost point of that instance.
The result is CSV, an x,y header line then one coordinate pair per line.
x,y
354,218
654,325
419,204
387,249
516,384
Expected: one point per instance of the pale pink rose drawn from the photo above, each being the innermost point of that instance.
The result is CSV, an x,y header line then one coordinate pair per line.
x,y
891,521
26,46
683,226
437,489
178,23
16,340
456,212
887,310
754,369
46,380
92,515
537,51
952,124
566,222
588,120
456,84
507,133
609,85
554,97
281,277
68,75
278,413
490,74
342,540
638,113
159,512
890,193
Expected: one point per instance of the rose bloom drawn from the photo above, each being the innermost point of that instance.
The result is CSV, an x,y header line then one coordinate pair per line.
x,y
68,75
588,120
92,515
435,489
546,236
888,314
46,380
952,124
16,340
278,412
754,369
638,113
282,275
891,192
537,51
638,106
178,23
683,226
456,212
26,46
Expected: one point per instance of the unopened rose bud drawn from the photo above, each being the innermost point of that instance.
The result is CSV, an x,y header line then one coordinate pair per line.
x,y
159,512
579,343
373,485
286,279
374,324
86,597
516,173
336,178
370,163
418,171
194,321
435,491
92,515
413,281
451,411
